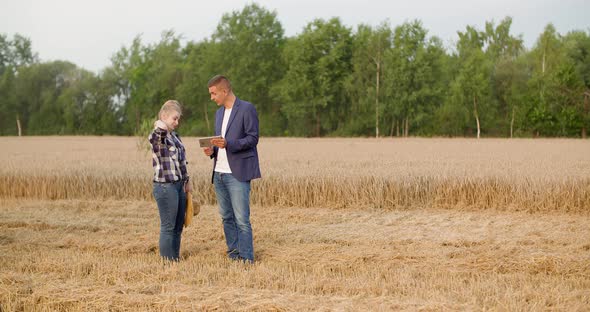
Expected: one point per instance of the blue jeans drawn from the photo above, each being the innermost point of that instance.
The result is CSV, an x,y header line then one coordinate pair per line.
x,y
171,201
234,207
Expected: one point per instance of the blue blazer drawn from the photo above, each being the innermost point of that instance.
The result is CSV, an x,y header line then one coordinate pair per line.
x,y
241,139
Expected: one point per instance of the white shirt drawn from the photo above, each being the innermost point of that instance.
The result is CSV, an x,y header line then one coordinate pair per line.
x,y
222,164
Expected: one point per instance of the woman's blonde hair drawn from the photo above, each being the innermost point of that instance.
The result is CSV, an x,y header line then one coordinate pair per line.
x,y
170,105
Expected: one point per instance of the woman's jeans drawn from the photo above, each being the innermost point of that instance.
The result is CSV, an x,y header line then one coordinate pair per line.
x,y
171,201
234,207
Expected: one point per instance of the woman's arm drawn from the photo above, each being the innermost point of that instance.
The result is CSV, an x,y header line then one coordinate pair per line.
x,y
158,140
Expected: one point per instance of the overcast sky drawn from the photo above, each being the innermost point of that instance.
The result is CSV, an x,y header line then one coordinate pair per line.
x,y
88,33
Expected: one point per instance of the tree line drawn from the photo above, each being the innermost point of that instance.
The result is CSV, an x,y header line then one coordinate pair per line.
x,y
328,80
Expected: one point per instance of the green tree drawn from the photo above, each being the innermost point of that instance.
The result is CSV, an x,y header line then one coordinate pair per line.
x,y
508,75
545,57
128,73
364,85
87,105
199,110
510,80
313,89
573,84
471,87
146,76
9,117
37,90
412,76
579,53
14,54
250,44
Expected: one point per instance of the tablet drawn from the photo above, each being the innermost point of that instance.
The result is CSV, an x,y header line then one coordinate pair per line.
x,y
206,141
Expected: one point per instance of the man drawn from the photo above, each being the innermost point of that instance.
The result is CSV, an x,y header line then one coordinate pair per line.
x,y
235,165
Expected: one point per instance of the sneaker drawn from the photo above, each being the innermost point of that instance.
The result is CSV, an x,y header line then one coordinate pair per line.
x,y
233,254
244,260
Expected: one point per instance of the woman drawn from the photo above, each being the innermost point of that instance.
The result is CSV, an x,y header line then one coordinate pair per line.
x,y
171,179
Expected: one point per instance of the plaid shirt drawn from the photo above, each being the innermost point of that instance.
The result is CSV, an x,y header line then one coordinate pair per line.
x,y
168,156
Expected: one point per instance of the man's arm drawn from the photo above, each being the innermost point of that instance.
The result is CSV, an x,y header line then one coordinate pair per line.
x,y
210,151
251,130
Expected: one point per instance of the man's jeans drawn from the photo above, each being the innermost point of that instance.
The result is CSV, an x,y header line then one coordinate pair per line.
x,y
234,207
171,201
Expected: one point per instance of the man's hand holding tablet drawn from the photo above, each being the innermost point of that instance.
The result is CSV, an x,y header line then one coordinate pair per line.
x,y
206,141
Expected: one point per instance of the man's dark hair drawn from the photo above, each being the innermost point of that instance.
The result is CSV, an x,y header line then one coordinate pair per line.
x,y
220,80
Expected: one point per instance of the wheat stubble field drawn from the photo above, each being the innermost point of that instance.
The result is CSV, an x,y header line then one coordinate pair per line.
x,y
339,225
